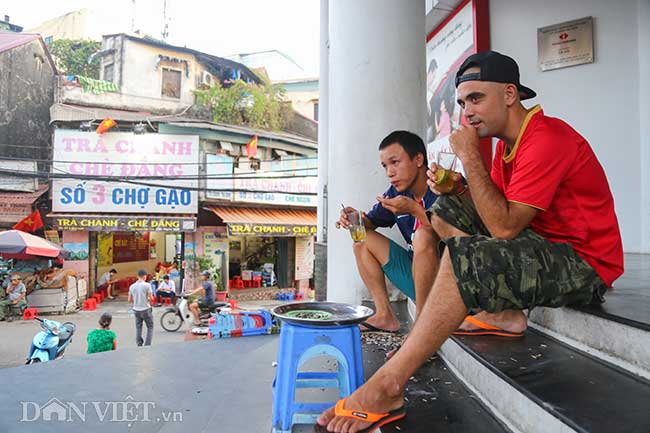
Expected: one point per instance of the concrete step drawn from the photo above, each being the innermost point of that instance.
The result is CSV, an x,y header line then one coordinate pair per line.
x,y
617,331
538,384
436,400
581,370
621,343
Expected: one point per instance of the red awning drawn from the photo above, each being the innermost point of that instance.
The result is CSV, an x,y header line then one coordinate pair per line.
x,y
248,221
265,216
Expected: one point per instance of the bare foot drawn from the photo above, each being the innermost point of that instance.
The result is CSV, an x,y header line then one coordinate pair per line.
x,y
508,320
378,395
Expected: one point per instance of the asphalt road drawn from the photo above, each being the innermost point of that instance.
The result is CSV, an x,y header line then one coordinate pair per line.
x,y
16,337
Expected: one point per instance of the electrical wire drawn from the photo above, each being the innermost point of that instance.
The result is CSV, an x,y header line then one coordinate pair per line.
x,y
242,176
51,176
12,158
21,146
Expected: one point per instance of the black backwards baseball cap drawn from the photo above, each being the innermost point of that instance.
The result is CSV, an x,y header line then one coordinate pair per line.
x,y
495,67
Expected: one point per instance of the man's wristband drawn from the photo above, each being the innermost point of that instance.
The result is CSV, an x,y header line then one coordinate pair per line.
x,y
458,194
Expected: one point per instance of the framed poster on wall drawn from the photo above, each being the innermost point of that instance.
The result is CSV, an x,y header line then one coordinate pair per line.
x,y
130,247
464,32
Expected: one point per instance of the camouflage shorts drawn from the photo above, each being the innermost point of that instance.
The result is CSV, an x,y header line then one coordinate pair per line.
x,y
520,273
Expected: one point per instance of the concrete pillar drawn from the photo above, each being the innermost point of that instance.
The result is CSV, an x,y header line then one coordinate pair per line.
x,y
323,120
644,115
376,85
320,248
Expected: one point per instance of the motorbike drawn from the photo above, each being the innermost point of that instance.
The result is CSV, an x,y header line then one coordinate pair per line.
x,y
50,343
174,317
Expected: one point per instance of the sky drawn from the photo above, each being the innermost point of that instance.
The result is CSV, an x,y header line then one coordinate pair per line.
x,y
218,27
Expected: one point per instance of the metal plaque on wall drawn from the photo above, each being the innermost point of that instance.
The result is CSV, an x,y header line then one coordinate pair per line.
x,y
566,44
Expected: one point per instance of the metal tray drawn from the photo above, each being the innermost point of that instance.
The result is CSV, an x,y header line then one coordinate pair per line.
x,y
331,313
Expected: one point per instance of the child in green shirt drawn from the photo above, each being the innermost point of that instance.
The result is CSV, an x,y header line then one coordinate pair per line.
x,y
102,339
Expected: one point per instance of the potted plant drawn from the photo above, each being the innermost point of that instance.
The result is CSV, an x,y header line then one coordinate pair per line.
x,y
206,264
219,290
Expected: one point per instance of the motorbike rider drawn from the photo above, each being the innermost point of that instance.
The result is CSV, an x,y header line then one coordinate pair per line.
x,y
207,301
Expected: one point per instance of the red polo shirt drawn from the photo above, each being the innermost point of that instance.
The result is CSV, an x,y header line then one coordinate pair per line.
x,y
552,168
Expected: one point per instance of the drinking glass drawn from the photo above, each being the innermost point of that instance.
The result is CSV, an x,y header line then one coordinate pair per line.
x,y
446,164
357,229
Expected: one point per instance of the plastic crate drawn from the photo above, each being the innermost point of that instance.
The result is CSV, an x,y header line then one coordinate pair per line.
x,y
240,324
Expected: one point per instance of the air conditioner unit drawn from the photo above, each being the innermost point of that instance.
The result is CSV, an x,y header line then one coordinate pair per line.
x,y
206,79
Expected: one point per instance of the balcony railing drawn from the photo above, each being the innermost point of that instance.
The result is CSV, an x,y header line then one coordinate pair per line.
x,y
96,93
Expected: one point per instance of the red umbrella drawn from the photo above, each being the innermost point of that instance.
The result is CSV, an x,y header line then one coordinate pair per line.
x,y
15,244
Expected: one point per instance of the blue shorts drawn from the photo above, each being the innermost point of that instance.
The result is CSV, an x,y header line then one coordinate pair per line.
x,y
399,269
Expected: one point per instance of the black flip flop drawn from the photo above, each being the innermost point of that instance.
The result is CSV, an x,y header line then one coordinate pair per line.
x,y
370,328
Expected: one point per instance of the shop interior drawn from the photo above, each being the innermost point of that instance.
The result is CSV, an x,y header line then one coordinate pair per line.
x,y
158,253
261,262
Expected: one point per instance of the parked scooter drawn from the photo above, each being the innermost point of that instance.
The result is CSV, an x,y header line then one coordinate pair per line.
x,y
173,317
51,342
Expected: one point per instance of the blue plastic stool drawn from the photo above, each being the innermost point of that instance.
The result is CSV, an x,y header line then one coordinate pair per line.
x,y
298,344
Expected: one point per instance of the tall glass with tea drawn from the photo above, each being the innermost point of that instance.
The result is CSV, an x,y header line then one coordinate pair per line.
x,y
444,174
357,229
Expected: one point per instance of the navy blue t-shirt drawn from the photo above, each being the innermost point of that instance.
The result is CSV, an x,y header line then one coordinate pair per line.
x,y
208,286
382,217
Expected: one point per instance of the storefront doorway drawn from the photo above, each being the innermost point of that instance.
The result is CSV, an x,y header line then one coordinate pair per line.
x,y
158,253
271,258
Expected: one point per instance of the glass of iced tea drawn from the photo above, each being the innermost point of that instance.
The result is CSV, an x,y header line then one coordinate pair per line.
x,y
446,162
357,229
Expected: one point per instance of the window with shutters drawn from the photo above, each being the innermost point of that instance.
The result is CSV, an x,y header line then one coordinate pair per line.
x,y
171,83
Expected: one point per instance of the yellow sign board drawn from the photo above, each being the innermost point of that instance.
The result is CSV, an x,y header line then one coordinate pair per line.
x,y
252,229
125,224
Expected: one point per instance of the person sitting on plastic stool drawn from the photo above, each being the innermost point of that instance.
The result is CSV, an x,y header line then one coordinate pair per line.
x,y
16,293
166,289
109,282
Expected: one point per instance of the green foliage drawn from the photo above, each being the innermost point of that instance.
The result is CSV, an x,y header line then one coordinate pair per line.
x,y
249,104
71,56
205,263
218,283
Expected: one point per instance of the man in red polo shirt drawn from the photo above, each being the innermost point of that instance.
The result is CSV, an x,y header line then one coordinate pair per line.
x,y
539,230
546,189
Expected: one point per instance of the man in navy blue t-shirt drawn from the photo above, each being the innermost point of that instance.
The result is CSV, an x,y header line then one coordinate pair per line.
x,y
207,301
404,159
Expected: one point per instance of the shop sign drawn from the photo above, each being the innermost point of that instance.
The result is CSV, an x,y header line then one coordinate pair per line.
x,y
125,173
274,230
289,182
124,224
105,249
219,170
130,247
215,248
566,44
22,182
14,212
52,236
304,258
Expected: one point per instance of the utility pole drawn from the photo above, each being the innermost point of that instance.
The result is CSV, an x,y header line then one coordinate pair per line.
x,y
165,30
133,9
